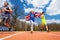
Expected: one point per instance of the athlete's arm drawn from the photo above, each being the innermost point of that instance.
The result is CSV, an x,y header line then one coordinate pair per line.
x,y
27,17
10,10
41,16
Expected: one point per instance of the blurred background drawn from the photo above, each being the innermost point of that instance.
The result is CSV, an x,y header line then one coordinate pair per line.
x,y
21,8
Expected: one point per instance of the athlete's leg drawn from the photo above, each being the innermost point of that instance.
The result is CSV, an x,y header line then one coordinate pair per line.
x,y
45,23
41,27
31,26
47,29
25,26
6,23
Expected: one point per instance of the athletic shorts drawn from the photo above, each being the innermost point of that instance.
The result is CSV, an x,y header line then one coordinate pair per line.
x,y
44,22
32,19
1,17
6,18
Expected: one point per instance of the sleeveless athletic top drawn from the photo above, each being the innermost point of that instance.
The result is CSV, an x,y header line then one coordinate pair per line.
x,y
32,16
6,12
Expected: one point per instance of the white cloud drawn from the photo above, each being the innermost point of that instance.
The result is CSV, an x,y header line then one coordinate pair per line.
x,y
54,8
53,21
27,10
2,2
36,4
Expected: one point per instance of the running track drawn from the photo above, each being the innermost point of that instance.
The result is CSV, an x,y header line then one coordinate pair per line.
x,y
24,35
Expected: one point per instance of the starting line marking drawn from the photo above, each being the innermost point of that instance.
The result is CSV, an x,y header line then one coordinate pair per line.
x,y
53,34
50,34
11,35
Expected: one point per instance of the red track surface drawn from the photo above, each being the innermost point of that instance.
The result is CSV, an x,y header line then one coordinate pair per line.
x,y
28,36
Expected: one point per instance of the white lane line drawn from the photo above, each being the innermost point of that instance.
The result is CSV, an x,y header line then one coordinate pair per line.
x,y
54,35
51,34
0,39
11,35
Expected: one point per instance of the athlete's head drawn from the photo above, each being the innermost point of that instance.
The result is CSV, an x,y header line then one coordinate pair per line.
x,y
6,4
42,12
32,12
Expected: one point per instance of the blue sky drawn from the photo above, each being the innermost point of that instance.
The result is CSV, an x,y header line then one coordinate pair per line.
x,y
50,7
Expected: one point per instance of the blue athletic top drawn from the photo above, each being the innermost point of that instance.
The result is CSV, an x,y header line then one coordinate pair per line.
x,y
32,16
